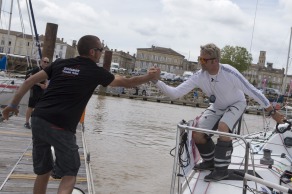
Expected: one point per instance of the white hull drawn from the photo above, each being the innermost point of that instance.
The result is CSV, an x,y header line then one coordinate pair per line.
x,y
8,87
235,183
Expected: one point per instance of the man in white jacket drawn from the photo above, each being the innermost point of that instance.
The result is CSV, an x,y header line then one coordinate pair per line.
x,y
225,86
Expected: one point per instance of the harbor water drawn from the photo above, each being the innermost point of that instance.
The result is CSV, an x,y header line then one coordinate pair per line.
x,y
130,141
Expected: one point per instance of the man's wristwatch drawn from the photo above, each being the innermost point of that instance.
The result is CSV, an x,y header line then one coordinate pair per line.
x,y
272,112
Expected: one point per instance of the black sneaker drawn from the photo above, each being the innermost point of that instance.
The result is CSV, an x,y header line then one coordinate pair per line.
x,y
205,165
216,175
26,125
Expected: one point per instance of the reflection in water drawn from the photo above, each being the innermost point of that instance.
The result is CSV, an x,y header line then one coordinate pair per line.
x,y
130,140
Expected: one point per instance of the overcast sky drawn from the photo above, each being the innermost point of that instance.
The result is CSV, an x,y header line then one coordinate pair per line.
x,y
182,25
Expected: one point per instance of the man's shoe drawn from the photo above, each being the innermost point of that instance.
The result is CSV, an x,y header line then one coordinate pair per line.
x,y
205,165
26,125
216,175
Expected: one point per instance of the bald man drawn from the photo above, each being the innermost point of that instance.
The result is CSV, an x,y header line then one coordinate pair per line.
x,y
36,91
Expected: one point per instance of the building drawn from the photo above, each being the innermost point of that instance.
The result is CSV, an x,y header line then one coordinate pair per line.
x,y
164,58
62,49
263,74
16,43
124,59
24,44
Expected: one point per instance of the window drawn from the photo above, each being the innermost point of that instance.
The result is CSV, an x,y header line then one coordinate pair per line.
x,y
2,42
9,43
27,43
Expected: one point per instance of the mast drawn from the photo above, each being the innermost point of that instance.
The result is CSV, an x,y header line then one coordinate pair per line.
x,y
35,30
0,8
285,77
8,34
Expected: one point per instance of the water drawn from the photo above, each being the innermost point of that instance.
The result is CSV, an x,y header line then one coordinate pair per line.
x,y
130,141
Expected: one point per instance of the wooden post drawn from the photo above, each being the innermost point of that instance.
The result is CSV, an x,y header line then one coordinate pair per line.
x,y
107,60
50,41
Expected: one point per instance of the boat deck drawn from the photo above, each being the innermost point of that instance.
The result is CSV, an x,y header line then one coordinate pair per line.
x,y
16,169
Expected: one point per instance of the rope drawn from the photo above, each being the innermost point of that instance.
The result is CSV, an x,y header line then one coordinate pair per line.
x,y
184,148
6,179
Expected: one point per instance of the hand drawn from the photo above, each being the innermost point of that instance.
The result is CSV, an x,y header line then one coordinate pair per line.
x,y
7,110
278,117
43,86
155,72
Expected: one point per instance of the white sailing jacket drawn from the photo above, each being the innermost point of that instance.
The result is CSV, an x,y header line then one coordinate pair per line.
x,y
228,86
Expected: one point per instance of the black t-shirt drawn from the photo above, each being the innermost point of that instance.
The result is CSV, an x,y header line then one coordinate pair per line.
x,y
36,90
72,82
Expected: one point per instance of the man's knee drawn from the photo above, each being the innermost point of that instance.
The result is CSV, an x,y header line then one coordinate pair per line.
x,y
223,127
199,138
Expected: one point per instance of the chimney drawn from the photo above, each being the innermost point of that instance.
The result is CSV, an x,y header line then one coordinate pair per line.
x,y
74,43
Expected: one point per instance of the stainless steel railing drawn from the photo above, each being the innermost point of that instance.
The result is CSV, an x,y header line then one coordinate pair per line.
x,y
182,127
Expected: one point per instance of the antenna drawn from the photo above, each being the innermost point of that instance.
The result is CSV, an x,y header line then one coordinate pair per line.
x,y
254,20
285,77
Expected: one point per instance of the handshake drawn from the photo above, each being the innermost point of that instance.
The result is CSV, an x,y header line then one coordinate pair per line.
x,y
154,73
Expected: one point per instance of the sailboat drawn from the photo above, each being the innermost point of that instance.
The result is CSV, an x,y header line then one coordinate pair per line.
x,y
9,81
261,162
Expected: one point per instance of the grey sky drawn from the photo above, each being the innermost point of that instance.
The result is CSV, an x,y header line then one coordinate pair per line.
x,y
182,25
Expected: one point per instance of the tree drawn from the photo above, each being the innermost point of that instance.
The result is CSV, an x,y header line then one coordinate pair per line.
x,y
237,57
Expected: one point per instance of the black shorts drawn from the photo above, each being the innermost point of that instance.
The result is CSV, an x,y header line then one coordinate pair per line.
x,y
45,135
34,97
32,101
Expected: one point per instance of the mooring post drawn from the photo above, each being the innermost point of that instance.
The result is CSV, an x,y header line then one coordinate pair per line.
x,y
106,64
50,41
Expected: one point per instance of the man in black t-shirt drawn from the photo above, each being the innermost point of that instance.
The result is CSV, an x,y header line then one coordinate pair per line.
x,y
56,115
36,90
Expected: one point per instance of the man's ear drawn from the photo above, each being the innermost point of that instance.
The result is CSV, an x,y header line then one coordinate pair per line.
x,y
91,52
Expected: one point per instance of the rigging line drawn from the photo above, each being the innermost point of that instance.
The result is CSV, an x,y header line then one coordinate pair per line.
x,y
254,20
23,31
4,182
35,30
3,17
32,37
21,19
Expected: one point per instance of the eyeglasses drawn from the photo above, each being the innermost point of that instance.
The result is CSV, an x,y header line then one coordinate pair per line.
x,y
46,61
98,49
204,60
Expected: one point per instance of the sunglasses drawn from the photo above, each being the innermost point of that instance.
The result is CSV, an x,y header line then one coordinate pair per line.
x,y
46,61
98,49
204,60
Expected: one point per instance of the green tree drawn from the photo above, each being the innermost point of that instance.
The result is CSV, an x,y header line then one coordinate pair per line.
x,y
237,57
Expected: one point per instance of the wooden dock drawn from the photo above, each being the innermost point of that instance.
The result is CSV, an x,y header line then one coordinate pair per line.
x,y
16,169
197,103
